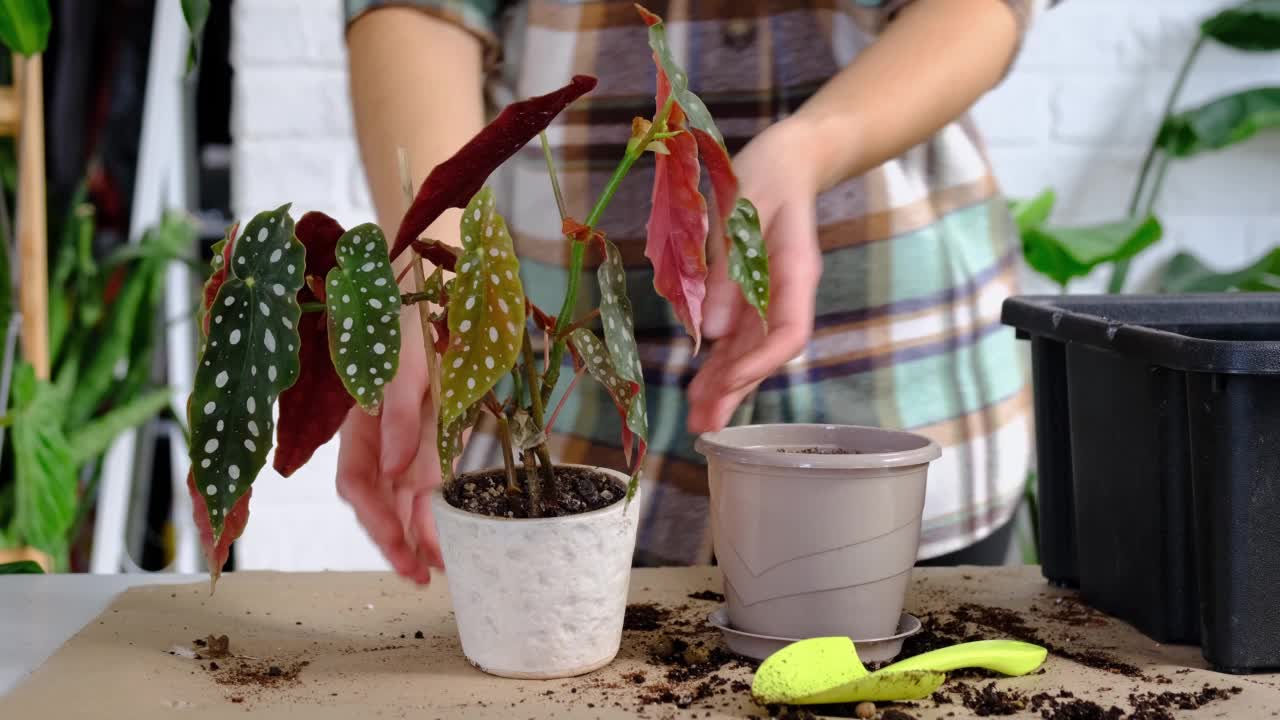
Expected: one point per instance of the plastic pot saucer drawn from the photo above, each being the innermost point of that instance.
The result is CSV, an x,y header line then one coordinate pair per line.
x,y
759,647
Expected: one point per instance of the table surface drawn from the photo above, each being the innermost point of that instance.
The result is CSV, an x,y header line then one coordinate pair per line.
x,y
346,645
38,613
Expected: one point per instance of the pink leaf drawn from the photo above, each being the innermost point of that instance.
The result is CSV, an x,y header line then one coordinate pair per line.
x,y
724,183
232,527
221,258
677,228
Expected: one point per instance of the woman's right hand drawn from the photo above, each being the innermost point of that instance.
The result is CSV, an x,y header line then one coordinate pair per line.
x,y
388,466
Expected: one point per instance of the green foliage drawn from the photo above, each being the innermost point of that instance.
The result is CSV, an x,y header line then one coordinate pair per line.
x,y
363,304
694,109
1033,213
486,310
92,439
196,13
45,476
22,567
748,257
1185,273
1064,253
249,358
1253,25
101,323
24,25
1221,123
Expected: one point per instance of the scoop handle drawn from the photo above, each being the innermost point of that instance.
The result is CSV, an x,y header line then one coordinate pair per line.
x,y
1010,657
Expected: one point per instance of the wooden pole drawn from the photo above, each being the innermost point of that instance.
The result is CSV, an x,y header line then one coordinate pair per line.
x,y
33,250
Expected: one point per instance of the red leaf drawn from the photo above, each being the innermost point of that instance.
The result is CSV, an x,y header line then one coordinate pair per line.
x,y
677,228
453,182
649,18
219,276
313,409
724,182
232,528
319,234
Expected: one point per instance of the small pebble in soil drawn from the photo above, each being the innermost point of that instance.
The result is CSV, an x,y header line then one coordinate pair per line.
x,y
275,671
418,635
213,666
865,710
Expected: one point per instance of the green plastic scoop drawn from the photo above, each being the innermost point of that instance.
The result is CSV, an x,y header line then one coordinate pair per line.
x,y
827,670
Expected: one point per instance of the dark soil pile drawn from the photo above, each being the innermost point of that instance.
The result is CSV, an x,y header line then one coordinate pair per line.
x,y
257,673
709,595
577,490
644,617
987,700
1012,624
1065,706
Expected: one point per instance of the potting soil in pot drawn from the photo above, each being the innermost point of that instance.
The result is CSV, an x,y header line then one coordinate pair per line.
x,y
578,490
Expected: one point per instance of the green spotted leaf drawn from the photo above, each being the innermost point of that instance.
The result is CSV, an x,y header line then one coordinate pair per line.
x,y
449,439
249,357
363,304
615,313
486,310
627,394
619,338
695,110
748,257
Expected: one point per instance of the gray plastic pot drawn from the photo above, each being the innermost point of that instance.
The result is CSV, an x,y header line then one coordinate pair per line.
x,y
816,545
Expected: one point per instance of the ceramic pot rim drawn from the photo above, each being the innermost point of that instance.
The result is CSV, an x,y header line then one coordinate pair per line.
x,y
740,444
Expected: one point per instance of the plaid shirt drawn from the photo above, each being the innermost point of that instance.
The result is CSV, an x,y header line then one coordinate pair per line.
x,y
919,253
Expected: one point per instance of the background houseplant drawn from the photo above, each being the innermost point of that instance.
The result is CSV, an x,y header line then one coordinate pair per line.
x,y
87,375
1063,253
310,318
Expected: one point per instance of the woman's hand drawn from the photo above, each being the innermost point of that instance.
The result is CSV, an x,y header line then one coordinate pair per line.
x,y
388,467
778,172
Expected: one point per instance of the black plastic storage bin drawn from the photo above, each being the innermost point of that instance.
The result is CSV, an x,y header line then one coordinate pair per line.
x,y
1158,444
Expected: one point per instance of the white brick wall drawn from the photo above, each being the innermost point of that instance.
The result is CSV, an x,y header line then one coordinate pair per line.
x,y
1076,114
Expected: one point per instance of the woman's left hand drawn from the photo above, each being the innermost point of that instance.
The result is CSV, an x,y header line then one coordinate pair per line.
x,y
778,172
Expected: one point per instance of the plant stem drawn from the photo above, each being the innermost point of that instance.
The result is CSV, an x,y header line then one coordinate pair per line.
x,y
579,249
535,410
312,307
420,282
413,298
508,459
1120,272
551,170
579,323
532,482
551,421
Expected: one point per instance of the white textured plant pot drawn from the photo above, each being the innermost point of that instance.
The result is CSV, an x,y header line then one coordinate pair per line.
x,y
539,598
816,545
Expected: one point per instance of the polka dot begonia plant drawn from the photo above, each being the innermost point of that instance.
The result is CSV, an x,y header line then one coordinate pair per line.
x,y
310,316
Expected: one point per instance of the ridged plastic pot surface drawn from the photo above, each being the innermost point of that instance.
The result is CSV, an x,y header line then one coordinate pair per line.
x,y
539,598
810,544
